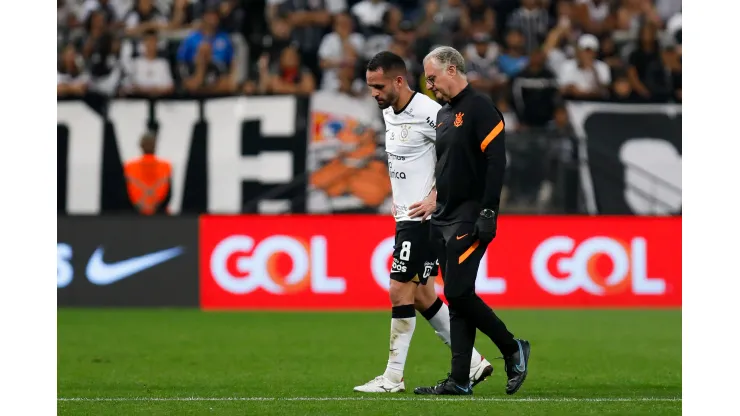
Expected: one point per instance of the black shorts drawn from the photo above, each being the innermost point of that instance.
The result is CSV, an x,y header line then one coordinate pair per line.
x,y
414,259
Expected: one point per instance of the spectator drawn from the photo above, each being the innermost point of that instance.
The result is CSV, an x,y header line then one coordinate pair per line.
x,y
370,15
585,77
414,69
231,16
258,82
289,76
443,23
111,12
278,39
593,15
513,60
338,49
351,85
664,77
621,89
66,17
66,20
219,65
150,75
667,8
482,55
632,13
381,41
144,17
645,55
610,55
182,15
557,47
207,76
101,51
72,79
309,20
533,93
478,17
533,21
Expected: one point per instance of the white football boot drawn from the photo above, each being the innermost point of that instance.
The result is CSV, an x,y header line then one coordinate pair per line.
x,y
380,384
480,372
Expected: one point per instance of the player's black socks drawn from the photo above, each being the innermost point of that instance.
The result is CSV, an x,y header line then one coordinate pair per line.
x,y
403,311
432,310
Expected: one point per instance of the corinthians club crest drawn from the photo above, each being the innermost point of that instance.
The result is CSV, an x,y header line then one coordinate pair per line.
x,y
405,132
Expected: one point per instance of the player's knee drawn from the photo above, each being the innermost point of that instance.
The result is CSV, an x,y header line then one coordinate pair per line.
x,y
401,293
424,296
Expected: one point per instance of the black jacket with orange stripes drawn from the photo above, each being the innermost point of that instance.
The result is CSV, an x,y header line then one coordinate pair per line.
x,y
471,158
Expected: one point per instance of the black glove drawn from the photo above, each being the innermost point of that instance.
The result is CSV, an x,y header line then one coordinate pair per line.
x,y
485,226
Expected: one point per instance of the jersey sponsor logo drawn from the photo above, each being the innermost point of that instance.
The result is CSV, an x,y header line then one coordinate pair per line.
x,y
396,175
458,119
241,265
399,266
598,265
431,123
396,157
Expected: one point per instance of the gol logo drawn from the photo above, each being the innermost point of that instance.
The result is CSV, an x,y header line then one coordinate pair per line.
x,y
240,266
599,265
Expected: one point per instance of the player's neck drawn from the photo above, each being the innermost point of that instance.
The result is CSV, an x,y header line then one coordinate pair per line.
x,y
457,88
403,99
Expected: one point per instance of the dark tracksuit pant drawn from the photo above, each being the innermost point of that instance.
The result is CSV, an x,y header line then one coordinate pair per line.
x,y
459,258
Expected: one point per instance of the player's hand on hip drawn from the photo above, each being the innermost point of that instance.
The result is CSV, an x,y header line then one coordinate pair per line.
x,y
425,208
485,227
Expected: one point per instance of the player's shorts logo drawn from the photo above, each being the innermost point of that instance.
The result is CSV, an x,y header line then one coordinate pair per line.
x,y
599,266
278,264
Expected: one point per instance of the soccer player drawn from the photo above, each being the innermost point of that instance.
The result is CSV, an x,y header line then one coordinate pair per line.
x,y
469,176
409,142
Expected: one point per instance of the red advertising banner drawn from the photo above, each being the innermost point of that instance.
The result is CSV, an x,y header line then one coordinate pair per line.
x,y
343,262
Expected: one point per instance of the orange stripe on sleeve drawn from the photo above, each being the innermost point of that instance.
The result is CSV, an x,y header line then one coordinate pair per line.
x,y
492,135
468,252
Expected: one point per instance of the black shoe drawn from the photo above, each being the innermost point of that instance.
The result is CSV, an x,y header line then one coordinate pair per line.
x,y
446,387
517,366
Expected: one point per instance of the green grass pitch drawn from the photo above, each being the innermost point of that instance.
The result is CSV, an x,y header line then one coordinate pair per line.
x,y
188,362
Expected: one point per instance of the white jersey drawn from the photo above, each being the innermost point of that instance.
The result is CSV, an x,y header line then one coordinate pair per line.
x,y
409,142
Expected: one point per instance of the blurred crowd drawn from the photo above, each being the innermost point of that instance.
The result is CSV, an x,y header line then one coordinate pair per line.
x,y
528,54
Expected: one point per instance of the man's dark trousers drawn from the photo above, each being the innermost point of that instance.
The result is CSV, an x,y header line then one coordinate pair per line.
x,y
459,257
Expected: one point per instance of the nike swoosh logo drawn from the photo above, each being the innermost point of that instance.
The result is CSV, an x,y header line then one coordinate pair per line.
x,y
460,237
439,125
464,390
101,273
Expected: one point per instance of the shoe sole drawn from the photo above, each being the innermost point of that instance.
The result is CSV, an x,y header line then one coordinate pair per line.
x,y
484,375
526,349
380,392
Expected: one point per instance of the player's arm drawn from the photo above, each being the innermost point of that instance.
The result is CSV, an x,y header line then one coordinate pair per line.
x,y
489,136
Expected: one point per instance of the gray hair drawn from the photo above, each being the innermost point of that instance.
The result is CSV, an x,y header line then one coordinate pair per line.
x,y
445,56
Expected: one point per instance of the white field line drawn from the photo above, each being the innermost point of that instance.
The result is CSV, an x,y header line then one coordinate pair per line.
x,y
365,398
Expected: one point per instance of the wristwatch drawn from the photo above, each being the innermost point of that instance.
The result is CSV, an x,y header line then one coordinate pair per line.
x,y
487,213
